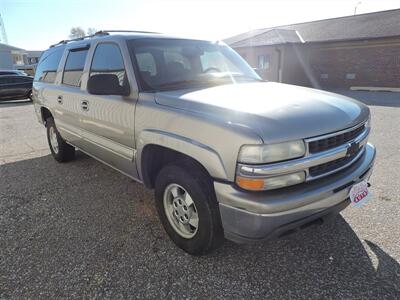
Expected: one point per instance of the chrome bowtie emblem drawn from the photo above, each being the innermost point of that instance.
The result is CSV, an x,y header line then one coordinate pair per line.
x,y
352,149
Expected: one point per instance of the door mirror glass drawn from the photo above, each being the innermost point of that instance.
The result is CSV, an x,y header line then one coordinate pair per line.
x,y
106,84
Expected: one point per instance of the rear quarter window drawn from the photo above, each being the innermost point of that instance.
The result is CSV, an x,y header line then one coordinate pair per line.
x,y
47,68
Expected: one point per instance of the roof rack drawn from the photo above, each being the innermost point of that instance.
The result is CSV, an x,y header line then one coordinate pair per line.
x,y
133,31
100,33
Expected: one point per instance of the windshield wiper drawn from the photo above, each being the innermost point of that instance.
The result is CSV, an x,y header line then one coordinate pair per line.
x,y
246,77
180,82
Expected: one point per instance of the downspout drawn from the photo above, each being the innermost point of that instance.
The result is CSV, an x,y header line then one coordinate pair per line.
x,y
280,63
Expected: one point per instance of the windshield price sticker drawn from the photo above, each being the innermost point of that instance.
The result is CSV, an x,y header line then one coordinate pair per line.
x,y
359,194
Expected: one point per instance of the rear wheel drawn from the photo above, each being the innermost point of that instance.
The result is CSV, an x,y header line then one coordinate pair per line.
x,y
61,151
187,207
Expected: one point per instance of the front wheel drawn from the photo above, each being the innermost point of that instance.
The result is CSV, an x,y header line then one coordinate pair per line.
x,y
187,207
61,151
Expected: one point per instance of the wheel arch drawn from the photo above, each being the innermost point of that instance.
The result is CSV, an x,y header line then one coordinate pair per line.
x,y
158,148
45,113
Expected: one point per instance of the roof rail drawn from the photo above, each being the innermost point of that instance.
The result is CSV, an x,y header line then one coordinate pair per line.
x,y
99,33
133,31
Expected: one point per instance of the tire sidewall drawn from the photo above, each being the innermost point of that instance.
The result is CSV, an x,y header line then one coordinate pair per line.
x,y
204,200
58,156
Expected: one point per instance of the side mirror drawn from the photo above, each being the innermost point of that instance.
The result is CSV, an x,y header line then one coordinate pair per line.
x,y
106,84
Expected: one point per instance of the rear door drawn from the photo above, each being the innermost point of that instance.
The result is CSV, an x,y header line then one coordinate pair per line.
x,y
108,120
70,94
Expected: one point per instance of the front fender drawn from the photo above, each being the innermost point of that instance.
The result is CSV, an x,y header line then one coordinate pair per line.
x,y
206,156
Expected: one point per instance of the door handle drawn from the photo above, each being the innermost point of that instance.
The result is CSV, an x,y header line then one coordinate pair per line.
x,y
85,105
60,99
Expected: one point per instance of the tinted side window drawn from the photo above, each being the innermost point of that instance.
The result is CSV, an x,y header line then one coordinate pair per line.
x,y
74,67
107,59
47,68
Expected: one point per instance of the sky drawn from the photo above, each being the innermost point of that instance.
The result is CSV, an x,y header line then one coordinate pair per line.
x,y
36,24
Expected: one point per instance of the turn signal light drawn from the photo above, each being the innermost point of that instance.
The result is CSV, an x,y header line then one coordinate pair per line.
x,y
252,184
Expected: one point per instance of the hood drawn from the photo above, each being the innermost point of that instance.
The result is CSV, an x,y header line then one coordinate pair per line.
x,y
276,112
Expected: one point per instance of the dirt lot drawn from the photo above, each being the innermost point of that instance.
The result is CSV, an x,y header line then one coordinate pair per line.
x,y
82,229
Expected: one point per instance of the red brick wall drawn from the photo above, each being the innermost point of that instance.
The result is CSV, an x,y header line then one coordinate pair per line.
x,y
370,65
363,63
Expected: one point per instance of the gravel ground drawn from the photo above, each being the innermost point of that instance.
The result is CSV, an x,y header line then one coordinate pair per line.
x,y
82,230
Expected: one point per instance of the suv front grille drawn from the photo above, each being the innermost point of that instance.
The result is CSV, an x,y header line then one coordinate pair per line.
x,y
332,165
334,141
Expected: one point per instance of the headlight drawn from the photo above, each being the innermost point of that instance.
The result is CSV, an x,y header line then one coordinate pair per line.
x,y
259,154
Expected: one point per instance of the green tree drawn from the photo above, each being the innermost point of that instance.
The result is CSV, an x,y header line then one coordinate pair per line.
x,y
76,32
91,31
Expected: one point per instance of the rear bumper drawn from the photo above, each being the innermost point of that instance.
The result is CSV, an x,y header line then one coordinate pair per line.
x,y
250,216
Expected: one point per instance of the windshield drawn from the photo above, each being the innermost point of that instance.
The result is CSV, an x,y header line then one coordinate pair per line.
x,y
167,64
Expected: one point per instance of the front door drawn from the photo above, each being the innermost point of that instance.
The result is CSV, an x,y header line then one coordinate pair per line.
x,y
108,120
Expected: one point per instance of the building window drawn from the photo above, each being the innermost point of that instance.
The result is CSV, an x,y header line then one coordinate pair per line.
x,y
350,76
263,62
324,76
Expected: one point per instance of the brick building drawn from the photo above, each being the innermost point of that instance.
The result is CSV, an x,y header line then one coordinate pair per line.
x,y
355,51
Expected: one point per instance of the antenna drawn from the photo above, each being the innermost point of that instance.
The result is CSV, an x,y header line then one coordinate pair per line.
x,y
3,35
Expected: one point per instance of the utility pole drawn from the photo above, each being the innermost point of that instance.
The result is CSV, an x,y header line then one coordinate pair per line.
x,y
355,7
3,35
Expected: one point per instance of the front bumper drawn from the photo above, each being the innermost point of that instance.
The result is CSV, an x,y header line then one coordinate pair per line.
x,y
248,216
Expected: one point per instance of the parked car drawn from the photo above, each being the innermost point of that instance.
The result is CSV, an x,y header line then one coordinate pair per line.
x,y
28,69
227,154
13,72
15,86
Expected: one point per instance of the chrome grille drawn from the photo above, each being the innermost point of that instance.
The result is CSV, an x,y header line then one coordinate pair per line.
x,y
334,141
335,151
332,165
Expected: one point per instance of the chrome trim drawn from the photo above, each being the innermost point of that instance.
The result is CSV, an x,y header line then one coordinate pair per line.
x,y
304,163
325,136
361,152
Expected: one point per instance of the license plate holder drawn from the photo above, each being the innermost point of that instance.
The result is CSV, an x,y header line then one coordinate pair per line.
x,y
359,194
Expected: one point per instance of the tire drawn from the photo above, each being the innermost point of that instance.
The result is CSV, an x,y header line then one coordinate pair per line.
x,y
61,151
29,95
190,178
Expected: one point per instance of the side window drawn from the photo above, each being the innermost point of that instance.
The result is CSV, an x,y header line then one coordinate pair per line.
x,y
47,69
74,67
107,59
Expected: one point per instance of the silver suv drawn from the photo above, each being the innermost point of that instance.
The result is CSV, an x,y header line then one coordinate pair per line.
x,y
228,154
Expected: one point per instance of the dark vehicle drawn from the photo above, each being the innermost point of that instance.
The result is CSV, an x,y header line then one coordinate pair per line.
x,y
15,87
13,72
